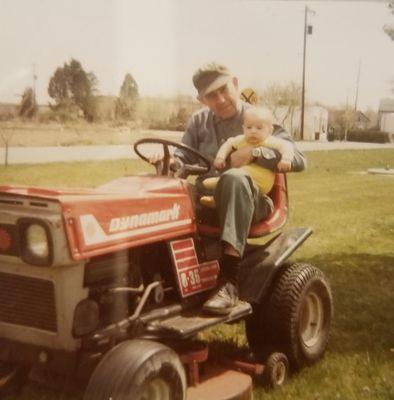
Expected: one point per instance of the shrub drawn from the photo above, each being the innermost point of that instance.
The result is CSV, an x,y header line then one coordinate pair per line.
x,y
7,116
28,106
62,114
335,133
176,122
370,136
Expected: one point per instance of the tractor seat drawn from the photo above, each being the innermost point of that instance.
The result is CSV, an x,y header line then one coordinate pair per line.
x,y
273,222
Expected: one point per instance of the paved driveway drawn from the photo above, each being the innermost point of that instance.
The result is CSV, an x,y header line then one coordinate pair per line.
x,y
39,155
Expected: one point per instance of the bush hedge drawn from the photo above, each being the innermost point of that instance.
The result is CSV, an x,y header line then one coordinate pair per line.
x,y
370,136
335,134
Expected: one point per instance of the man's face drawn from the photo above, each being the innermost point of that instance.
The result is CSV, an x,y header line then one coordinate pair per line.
x,y
224,100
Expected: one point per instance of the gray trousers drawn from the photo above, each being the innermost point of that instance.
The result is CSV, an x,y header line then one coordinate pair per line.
x,y
239,204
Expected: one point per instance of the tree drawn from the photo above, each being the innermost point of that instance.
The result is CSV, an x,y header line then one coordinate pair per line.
x,y
285,97
372,115
6,134
389,29
28,105
128,96
341,120
71,85
58,87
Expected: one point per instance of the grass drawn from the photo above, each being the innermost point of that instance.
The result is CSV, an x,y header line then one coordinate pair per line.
x,y
31,134
76,174
352,214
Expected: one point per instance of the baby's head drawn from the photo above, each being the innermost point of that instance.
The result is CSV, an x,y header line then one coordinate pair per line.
x,y
258,124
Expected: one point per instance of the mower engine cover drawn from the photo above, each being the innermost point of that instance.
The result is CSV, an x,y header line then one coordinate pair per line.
x,y
124,213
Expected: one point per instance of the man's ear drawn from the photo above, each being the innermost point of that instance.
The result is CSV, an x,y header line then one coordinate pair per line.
x,y
235,82
201,99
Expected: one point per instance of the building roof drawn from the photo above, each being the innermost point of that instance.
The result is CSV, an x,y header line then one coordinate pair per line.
x,y
360,116
386,105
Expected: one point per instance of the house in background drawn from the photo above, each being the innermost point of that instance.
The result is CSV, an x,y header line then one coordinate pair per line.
x,y
360,121
386,115
315,122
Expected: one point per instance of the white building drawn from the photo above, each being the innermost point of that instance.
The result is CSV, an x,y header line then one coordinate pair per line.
x,y
315,122
386,115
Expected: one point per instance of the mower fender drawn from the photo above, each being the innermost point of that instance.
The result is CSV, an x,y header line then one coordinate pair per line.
x,y
258,268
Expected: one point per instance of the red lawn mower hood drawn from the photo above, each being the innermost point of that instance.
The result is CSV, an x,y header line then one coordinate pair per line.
x,y
124,213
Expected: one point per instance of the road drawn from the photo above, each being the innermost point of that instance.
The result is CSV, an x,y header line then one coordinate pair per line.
x,y
40,155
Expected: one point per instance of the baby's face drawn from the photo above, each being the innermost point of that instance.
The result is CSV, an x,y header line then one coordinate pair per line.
x,y
256,129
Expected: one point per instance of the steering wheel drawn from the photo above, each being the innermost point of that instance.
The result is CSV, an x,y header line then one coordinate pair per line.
x,y
165,168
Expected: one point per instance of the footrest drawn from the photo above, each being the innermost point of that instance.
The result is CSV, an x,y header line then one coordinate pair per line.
x,y
191,322
8,373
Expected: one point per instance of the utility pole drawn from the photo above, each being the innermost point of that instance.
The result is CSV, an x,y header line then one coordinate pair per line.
x,y
346,116
307,30
34,82
357,85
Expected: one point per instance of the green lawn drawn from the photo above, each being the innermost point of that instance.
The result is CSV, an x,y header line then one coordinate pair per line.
x,y
352,215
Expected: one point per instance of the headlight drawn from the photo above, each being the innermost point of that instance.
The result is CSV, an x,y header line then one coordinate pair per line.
x,y
86,317
35,241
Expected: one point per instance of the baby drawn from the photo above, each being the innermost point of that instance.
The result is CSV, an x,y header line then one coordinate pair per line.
x,y
257,132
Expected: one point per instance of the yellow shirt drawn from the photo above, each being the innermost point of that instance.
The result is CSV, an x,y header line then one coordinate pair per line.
x,y
262,177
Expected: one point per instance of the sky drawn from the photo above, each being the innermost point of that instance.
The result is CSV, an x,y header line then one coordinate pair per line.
x,y
162,42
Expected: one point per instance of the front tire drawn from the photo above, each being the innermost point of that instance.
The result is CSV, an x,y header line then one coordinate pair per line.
x,y
138,370
276,370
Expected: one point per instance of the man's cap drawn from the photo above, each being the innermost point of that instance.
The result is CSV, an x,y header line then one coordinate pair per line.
x,y
210,77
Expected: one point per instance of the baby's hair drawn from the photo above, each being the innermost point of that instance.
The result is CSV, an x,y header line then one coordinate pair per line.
x,y
261,112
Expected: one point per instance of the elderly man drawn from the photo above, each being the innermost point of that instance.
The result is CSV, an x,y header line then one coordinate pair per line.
x,y
238,201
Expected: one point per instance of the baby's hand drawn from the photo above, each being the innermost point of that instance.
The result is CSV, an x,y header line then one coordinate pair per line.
x,y
284,165
219,163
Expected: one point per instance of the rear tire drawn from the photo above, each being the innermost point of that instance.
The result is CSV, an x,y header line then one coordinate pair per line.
x,y
138,370
301,312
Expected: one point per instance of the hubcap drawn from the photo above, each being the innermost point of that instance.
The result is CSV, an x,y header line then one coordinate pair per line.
x,y
311,321
156,389
280,373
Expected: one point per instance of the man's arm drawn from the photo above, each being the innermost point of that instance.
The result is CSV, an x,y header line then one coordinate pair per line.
x,y
269,158
228,146
190,139
285,148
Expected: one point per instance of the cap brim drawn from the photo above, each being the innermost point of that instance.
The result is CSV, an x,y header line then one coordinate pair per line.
x,y
216,84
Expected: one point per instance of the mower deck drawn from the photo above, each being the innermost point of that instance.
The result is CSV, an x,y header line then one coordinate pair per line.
x,y
221,384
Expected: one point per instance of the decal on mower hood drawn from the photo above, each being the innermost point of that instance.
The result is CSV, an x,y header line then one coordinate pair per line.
x,y
144,219
131,225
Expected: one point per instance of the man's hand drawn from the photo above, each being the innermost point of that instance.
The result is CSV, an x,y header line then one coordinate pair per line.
x,y
155,158
241,157
284,166
157,161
